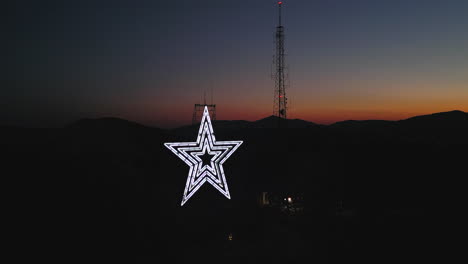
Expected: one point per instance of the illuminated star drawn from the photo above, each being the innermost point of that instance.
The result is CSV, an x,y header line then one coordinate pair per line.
x,y
191,153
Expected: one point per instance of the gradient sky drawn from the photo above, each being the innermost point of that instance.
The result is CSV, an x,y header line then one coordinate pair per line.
x,y
150,61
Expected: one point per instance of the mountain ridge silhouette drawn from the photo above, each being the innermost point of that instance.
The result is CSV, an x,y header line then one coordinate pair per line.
x,y
272,121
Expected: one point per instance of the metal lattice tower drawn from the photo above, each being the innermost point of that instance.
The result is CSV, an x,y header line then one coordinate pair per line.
x,y
198,110
280,100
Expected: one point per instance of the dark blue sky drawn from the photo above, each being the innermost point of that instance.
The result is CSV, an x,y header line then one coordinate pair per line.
x,y
150,61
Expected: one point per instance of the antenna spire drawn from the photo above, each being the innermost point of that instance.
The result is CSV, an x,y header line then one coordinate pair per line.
x,y
204,97
279,13
280,100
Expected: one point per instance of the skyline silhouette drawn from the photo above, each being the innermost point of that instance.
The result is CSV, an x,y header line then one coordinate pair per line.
x,y
151,61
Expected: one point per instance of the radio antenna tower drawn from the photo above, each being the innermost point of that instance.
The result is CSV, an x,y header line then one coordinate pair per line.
x,y
280,100
198,109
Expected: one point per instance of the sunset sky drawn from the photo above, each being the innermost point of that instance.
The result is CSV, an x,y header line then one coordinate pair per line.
x,y
150,61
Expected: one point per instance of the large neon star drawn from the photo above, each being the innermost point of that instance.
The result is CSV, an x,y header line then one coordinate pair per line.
x,y
190,153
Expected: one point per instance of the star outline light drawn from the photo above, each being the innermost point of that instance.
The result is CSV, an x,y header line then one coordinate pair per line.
x,y
200,173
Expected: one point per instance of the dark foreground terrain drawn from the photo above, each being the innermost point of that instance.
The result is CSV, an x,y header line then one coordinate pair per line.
x,y
361,191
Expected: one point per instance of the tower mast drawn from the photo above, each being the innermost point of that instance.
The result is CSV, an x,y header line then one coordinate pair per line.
x,y
280,100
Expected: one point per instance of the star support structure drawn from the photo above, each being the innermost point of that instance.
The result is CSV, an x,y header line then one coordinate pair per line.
x,y
191,152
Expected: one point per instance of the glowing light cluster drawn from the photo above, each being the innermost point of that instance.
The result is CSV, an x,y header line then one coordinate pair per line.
x,y
190,153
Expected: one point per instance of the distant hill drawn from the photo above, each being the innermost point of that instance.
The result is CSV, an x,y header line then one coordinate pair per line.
x,y
452,119
108,134
273,122
445,126
355,125
104,123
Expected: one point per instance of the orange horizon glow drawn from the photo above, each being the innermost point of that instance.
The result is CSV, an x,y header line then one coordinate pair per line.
x,y
183,118
360,101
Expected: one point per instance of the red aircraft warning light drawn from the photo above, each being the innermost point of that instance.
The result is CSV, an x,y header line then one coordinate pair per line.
x,y
280,3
